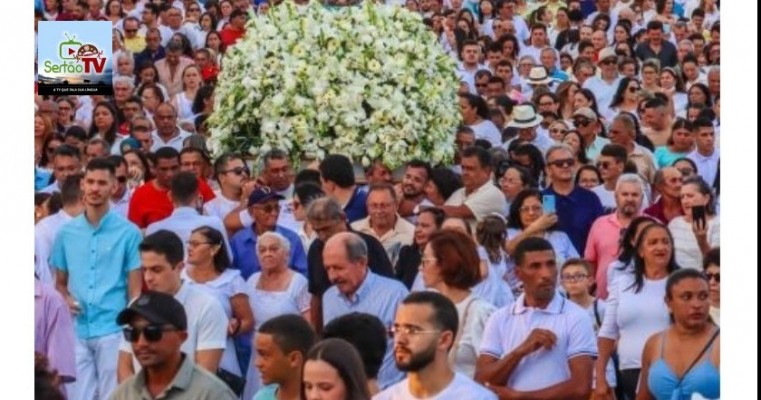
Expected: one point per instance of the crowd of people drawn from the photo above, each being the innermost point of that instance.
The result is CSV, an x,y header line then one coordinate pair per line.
x,y
569,251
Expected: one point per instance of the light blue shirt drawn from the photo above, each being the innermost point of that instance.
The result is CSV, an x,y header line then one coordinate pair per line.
x,y
593,151
41,178
378,296
98,260
183,221
268,392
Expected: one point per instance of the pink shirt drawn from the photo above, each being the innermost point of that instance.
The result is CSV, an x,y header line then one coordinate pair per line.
x,y
603,245
53,331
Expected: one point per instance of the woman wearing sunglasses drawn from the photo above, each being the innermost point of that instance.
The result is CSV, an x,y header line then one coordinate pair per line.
x,y
626,97
713,273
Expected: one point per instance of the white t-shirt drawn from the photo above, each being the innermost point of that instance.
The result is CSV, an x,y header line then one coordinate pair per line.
x,y
44,235
631,318
481,202
487,130
473,313
461,387
509,327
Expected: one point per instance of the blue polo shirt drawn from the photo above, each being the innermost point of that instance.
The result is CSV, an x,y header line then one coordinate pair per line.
x,y
356,208
41,178
245,259
98,260
378,296
576,214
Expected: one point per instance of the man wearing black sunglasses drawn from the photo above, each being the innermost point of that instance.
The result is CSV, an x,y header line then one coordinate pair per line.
x,y
586,123
121,196
156,328
604,86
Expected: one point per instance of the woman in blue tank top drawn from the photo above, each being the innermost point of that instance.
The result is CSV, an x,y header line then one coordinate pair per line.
x,y
683,359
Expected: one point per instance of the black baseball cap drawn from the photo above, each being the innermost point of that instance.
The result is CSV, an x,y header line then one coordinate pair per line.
x,y
158,308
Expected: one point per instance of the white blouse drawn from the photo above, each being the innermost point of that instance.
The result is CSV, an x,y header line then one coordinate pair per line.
x,y
687,250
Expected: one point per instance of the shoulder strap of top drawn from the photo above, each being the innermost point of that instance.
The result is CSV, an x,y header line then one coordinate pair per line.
x,y
700,356
663,342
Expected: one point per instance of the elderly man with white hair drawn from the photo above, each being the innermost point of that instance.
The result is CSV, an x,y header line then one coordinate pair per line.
x,y
604,236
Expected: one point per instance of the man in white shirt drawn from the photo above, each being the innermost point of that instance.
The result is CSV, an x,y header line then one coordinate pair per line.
x,y
538,42
383,222
706,155
526,121
610,163
604,86
231,173
185,218
506,12
424,331
417,173
543,345
475,114
167,133
161,257
46,230
479,196
120,198
467,68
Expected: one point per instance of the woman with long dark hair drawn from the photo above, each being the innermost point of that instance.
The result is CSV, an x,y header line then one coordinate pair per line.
x,y
635,309
407,266
694,237
105,124
626,97
680,144
333,370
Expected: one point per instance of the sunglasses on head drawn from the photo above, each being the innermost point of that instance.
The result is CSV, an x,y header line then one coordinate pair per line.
x,y
152,333
562,163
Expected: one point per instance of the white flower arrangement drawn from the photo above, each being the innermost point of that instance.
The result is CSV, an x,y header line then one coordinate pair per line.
x,y
366,81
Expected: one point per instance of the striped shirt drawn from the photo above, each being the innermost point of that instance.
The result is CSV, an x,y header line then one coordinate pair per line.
x,y
378,296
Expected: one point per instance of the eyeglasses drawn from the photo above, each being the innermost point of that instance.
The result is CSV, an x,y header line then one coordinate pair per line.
x,y
633,89
526,209
196,244
603,165
408,331
268,208
573,278
582,122
714,276
236,171
608,61
130,30
152,333
562,163
558,130
121,179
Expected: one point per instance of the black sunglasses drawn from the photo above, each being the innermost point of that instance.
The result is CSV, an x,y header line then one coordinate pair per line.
x,y
152,333
608,61
633,90
712,276
237,171
121,179
582,122
562,163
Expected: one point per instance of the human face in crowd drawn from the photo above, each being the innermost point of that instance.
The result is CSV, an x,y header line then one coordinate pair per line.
x,y
560,165
272,255
150,99
685,168
599,40
656,247
538,272
323,382
156,354
667,80
265,215
191,78
158,273
684,139
548,59
173,57
455,224
547,104
97,188
50,109
430,270
193,13
530,210
473,174
582,75
193,162
379,173
417,349
618,134
714,290
580,101
695,96
493,57
226,7
471,55
557,131
507,10
65,113
325,229
585,33
235,175
95,150
102,118
153,40
166,168
527,134
346,275
382,208
133,162
682,50
655,117
148,75
603,5
691,71
506,73
413,182
573,142
705,140
131,109
481,85
672,183
619,34
39,127
714,82
609,168
511,183
691,197
628,70
202,60
538,38
689,302
628,199
122,90
174,18
121,180
655,36
200,251
274,365
588,179
631,91
425,226
468,112
65,166
73,141
144,137
130,29
576,280
51,148
278,174
165,119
